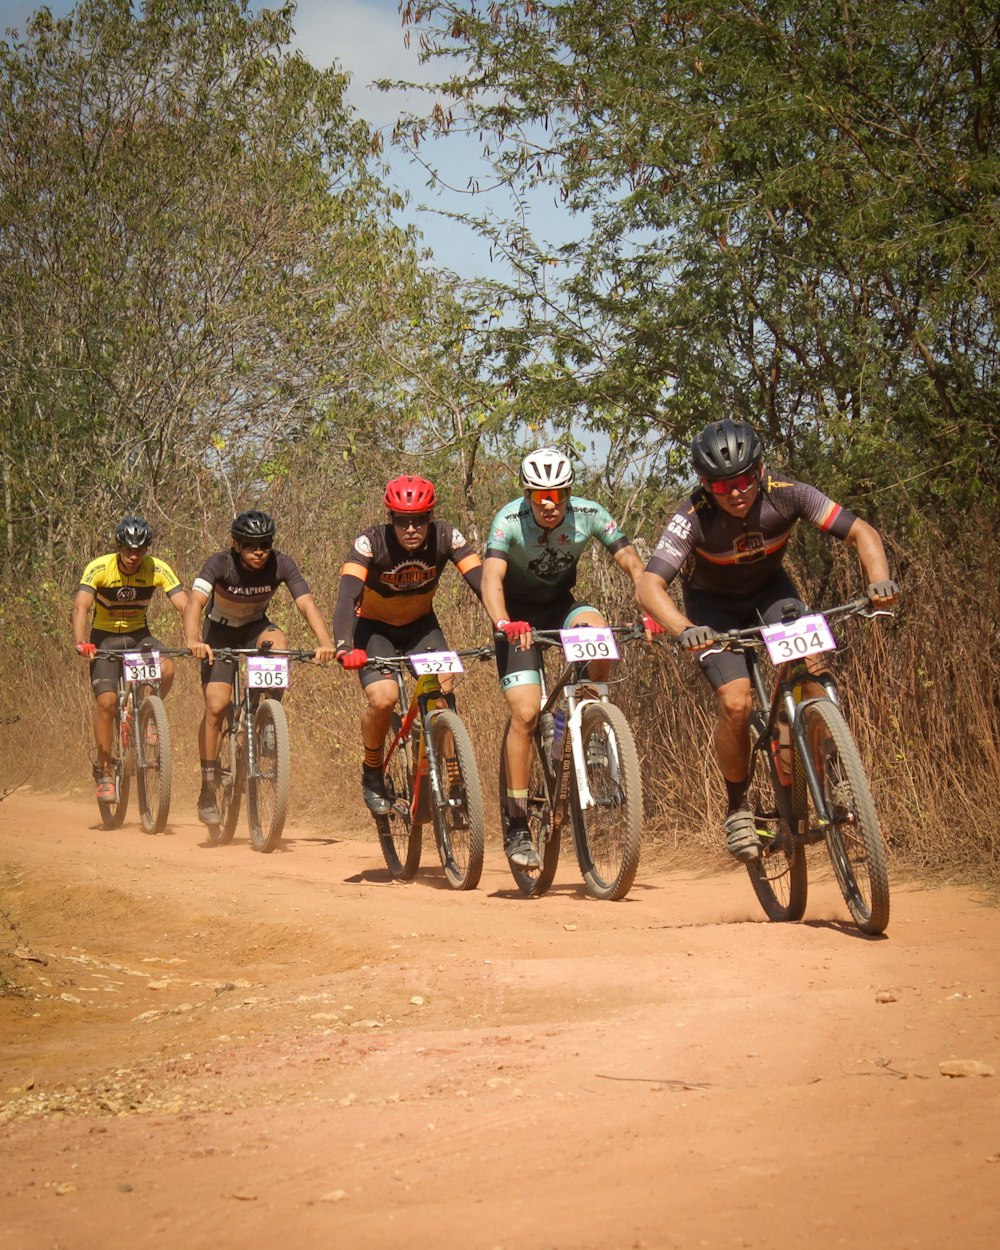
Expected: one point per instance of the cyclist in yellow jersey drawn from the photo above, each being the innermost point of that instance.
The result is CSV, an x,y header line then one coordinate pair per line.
x,y
119,587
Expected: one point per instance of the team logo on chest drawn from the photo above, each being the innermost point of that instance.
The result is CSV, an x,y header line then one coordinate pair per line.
x,y
412,575
749,547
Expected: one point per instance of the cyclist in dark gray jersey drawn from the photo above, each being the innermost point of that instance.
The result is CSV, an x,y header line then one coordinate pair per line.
x,y
727,542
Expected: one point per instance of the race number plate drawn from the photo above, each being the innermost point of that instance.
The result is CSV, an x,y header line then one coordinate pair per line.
x,y
589,643
809,635
437,662
141,666
267,672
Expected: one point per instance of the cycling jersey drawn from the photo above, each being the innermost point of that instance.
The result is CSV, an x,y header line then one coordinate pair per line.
x,y
121,600
238,595
541,562
738,556
383,581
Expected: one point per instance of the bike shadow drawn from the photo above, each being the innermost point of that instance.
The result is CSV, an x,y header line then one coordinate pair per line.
x,y
846,928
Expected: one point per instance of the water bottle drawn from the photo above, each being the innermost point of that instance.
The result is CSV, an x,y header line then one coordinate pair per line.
x,y
547,725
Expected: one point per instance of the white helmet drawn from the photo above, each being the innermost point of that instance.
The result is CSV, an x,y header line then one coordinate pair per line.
x,y
545,469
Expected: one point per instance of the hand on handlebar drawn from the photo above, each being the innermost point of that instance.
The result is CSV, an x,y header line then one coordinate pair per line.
x,y
651,626
323,655
696,637
881,594
515,631
353,659
201,650
87,649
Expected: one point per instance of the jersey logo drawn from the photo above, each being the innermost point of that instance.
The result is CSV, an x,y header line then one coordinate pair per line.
x,y
550,565
457,540
363,546
125,594
680,526
412,576
749,547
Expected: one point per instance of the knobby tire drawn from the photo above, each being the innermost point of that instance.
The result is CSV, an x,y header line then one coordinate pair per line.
x,y
229,788
154,778
779,876
460,827
267,788
854,838
608,836
123,758
401,840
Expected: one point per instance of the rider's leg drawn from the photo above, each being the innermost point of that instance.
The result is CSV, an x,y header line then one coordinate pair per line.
x,y
381,694
218,696
732,749
105,710
525,702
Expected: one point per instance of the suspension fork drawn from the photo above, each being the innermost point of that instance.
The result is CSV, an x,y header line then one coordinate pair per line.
x,y
791,693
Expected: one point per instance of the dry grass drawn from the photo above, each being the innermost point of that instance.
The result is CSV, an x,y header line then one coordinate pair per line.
x,y
922,696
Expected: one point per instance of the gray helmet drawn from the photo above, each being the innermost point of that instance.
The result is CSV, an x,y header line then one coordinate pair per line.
x,y
546,469
133,531
724,449
253,524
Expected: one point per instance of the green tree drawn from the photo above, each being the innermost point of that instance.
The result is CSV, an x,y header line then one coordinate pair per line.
x,y
786,209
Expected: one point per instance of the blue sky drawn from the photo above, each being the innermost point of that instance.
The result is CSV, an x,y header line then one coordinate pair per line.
x,y
367,38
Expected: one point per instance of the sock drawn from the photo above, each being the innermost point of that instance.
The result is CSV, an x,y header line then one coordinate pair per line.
x,y
736,792
373,759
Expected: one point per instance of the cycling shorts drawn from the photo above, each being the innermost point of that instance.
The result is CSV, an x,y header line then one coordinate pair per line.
x,y
519,666
239,637
379,639
104,673
767,606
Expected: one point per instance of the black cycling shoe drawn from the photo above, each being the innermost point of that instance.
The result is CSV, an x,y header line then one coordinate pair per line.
x,y
373,788
518,847
208,808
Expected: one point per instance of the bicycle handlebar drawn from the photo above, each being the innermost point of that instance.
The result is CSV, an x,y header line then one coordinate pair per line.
x,y
229,653
402,661
751,636
553,637
105,653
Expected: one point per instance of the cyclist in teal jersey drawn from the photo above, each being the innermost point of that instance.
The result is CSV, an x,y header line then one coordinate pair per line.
x,y
727,543
532,553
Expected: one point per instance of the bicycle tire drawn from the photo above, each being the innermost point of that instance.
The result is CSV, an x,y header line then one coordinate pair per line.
x,y
267,787
854,837
229,787
400,839
154,778
459,829
608,836
113,813
779,877
545,839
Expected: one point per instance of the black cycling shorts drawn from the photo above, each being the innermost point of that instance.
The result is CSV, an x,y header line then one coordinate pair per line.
x,y
104,673
239,637
379,639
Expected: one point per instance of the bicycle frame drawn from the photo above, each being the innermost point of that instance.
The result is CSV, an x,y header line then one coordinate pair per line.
x,y
245,698
567,687
132,693
426,698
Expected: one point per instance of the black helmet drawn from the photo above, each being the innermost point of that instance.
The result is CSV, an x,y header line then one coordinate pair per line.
x,y
724,449
253,524
133,531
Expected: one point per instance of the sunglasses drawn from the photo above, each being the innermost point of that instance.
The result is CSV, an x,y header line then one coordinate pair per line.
x,y
411,520
257,544
558,494
741,482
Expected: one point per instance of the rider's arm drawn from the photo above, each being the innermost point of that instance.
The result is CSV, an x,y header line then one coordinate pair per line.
x,y
494,572
192,625
179,598
629,561
83,601
655,599
867,542
307,605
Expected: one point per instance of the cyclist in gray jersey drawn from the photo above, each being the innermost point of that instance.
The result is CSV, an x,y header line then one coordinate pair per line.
x,y
727,542
534,546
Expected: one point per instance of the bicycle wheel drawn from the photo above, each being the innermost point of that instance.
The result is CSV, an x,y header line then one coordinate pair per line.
x,y
229,787
532,882
400,839
779,876
122,765
608,835
267,785
459,827
854,838
153,777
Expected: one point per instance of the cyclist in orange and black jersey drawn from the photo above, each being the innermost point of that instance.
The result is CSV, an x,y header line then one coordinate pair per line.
x,y
385,607
727,543
119,587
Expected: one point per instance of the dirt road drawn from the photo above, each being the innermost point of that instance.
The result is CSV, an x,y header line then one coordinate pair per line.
x,y
204,1047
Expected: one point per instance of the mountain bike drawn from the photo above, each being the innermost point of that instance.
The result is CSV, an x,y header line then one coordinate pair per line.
x,y
584,771
255,752
807,781
144,752
430,772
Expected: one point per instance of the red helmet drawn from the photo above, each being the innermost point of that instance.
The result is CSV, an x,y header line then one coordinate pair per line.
x,y
410,494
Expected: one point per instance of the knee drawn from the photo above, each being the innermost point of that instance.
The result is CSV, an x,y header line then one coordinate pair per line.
x,y
106,702
734,705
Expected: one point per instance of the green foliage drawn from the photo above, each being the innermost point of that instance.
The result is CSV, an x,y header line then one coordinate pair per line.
x,y
786,212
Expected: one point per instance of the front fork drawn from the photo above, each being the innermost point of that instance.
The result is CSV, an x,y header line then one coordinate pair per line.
x,y
795,705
